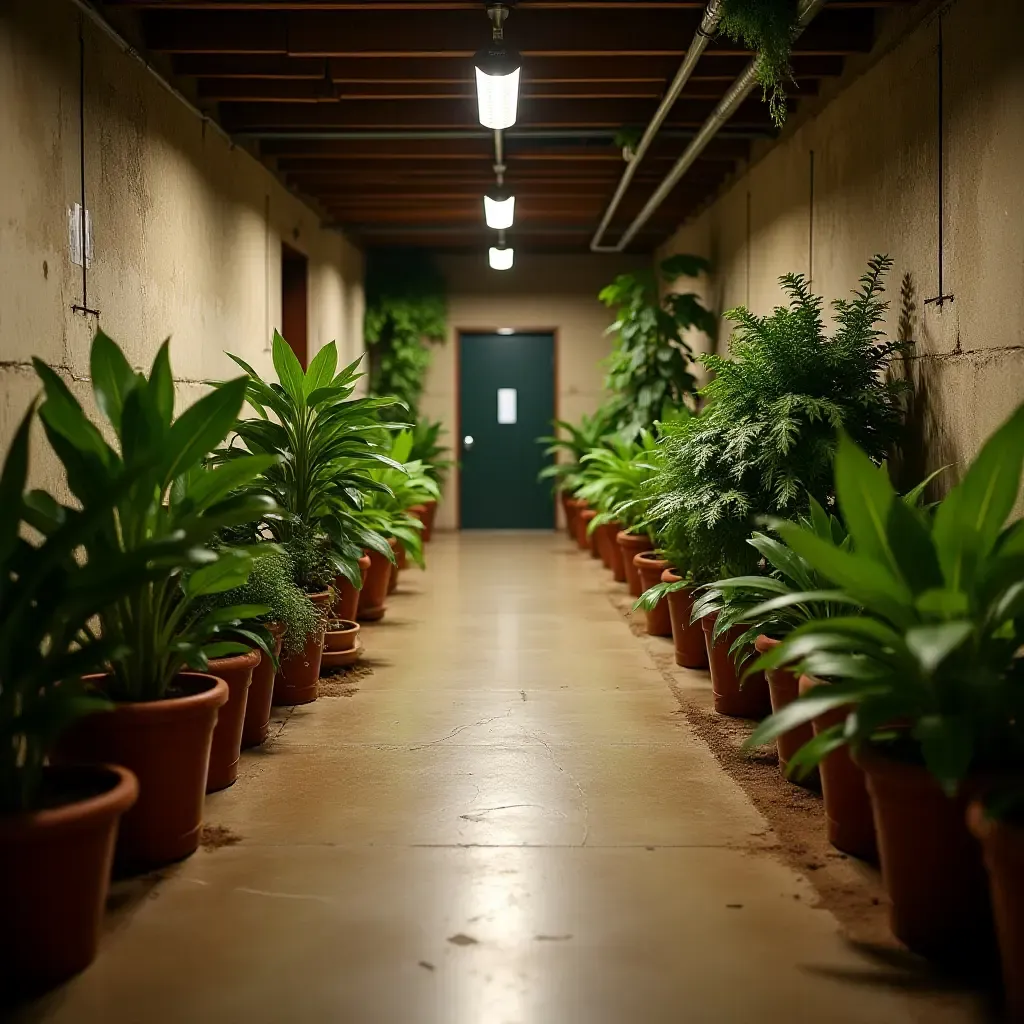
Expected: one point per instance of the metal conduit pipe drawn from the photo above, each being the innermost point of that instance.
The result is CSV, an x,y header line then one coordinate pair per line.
x,y
705,32
738,92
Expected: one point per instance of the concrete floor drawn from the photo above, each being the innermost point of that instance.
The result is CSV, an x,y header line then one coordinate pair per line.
x,y
507,823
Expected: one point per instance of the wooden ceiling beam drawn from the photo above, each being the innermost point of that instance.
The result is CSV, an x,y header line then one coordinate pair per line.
x,y
442,114
420,34
424,70
418,6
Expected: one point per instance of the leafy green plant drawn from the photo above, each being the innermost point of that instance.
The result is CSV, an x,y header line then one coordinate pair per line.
x,y
406,311
324,445
48,601
766,437
575,441
401,484
768,27
648,371
167,515
941,599
428,449
613,480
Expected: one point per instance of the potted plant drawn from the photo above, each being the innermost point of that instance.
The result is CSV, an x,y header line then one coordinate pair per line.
x,y
613,481
765,439
165,704
57,824
325,443
931,670
428,450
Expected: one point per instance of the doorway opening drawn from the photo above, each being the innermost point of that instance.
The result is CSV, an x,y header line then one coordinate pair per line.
x,y
294,301
506,401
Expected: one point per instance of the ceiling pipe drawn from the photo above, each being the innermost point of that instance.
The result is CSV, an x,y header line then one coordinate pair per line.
x,y
738,92
705,31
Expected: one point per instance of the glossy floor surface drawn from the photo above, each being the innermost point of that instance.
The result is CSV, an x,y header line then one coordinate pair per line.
x,y
509,822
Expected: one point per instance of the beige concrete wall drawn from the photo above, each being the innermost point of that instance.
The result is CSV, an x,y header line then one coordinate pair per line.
x,y
542,292
187,228
875,143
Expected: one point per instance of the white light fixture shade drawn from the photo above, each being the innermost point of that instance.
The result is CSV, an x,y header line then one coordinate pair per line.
x,y
497,87
501,259
499,210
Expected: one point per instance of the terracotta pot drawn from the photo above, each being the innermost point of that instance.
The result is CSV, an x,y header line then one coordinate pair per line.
x,y
848,814
346,600
582,540
343,636
749,700
256,726
688,636
784,688
297,680
166,745
54,874
931,864
589,537
569,510
428,526
611,553
650,568
373,596
227,736
401,562
422,513
631,545
1002,845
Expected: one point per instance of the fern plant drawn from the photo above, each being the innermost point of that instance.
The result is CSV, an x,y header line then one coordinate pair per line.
x,y
648,371
766,438
767,27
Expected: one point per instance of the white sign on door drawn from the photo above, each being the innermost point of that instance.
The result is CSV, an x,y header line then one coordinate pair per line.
x,y
507,402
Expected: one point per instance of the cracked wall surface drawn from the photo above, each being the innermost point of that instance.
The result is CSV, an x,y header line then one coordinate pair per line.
x,y
187,228
875,140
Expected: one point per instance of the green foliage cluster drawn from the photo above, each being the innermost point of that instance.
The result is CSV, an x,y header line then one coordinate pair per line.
x,y
648,371
766,437
613,480
935,623
574,441
428,449
406,311
768,27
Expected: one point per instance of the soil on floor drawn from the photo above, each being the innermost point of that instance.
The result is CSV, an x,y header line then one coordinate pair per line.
x,y
344,682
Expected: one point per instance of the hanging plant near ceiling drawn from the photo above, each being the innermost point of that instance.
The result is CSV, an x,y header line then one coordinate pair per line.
x,y
406,313
648,371
767,27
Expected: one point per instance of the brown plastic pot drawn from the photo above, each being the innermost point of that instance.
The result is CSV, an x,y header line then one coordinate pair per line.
x,y
582,540
54,874
631,545
783,689
611,553
650,567
569,509
341,636
166,745
931,864
749,700
373,596
589,536
688,637
227,736
346,599
422,513
256,726
1002,845
428,523
848,814
401,562
298,679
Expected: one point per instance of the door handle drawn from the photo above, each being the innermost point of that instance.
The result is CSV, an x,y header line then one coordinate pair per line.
x,y
468,441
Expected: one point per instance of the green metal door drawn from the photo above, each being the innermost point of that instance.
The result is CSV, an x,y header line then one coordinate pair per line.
x,y
507,401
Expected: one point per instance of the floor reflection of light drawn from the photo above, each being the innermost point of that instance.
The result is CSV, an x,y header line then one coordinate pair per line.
x,y
492,984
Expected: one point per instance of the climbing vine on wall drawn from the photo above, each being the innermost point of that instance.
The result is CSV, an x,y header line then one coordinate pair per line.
x,y
767,27
406,313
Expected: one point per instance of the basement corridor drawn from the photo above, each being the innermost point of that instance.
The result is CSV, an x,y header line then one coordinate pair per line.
x,y
508,822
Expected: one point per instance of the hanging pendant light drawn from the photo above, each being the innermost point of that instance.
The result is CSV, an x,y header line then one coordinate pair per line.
x,y
499,209
497,77
501,258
